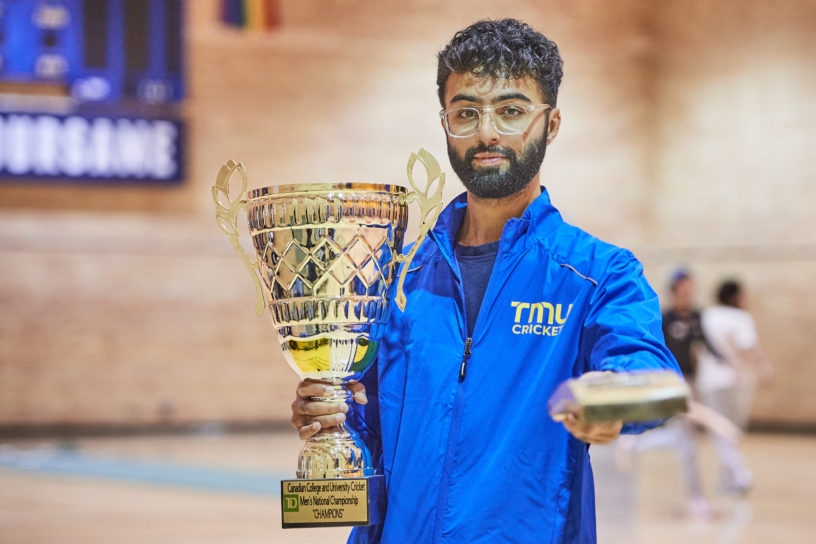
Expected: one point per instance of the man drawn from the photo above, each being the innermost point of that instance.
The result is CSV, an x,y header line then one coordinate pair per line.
x,y
727,382
505,301
681,324
685,339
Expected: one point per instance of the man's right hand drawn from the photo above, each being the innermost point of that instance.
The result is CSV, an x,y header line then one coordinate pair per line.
x,y
309,415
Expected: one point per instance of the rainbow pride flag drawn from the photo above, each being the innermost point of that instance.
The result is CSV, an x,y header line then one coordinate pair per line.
x,y
261,15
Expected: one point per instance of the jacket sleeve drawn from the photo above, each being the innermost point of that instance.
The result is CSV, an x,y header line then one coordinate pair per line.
x,y
364,419
623,328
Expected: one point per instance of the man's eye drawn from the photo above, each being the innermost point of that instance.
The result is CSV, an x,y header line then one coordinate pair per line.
x,y
511,111
467,114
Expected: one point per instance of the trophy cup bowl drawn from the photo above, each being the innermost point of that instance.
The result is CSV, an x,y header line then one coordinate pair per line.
x,y
327,256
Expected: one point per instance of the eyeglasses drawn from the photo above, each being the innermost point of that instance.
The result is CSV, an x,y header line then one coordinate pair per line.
x,y
507,118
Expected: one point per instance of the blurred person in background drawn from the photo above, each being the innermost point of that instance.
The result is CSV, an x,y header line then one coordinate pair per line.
x,y
728,375
682,326
457,417
683,332
684,336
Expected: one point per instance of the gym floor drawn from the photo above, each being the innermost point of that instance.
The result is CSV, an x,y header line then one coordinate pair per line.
x,y
214,487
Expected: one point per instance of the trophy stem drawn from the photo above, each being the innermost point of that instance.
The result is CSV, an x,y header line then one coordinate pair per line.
x,y
334,452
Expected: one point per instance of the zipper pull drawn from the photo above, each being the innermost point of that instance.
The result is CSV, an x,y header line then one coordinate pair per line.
x,y
465,358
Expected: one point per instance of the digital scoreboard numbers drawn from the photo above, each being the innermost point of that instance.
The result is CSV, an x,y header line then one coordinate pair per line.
x,y
101,50
132,46
36,44
119,66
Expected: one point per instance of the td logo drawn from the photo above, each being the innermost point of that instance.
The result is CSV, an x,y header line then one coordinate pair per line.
x,y
290,503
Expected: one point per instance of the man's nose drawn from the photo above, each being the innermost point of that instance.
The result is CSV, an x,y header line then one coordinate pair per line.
x,y
487,131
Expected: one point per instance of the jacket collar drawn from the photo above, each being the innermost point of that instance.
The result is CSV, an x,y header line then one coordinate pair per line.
x,y
536,223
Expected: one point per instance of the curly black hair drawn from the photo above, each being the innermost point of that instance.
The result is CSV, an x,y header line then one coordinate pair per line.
x,y
506,48
728,291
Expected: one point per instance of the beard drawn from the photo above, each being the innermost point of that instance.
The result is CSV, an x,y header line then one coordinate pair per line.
x,y
492,181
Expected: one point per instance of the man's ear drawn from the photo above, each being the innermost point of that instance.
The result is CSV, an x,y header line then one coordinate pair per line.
x,y
554,125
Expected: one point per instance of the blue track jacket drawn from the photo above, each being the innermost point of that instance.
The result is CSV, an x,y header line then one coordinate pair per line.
x,y
468,450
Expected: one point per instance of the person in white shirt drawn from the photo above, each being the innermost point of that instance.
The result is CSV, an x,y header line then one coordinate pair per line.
x,y
727,378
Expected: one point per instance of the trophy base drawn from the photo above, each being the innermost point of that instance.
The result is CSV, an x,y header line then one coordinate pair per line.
x,y
332,502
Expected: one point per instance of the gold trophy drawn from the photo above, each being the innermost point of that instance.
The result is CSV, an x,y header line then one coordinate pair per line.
x,y
327,257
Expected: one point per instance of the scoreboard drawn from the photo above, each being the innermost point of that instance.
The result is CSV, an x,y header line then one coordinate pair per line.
x,y
118,66
96,50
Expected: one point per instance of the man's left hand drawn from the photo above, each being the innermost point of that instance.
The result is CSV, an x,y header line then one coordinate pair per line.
x,y
592,433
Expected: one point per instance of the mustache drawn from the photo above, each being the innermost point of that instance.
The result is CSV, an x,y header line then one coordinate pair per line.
x,y
470,154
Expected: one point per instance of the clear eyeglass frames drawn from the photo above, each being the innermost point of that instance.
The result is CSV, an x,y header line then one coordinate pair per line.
x,y
512,118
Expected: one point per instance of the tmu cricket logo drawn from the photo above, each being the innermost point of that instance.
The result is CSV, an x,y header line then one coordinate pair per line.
x,y
529,318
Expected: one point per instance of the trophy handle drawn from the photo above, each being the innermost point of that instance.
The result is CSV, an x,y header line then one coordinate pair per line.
x,y
430,206
226,214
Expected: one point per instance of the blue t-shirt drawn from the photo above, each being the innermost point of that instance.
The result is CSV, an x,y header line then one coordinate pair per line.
x,y
476,265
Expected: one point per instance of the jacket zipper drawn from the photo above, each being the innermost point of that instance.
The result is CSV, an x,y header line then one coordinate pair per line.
x,y
447,467
457,414
453,434
465,357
